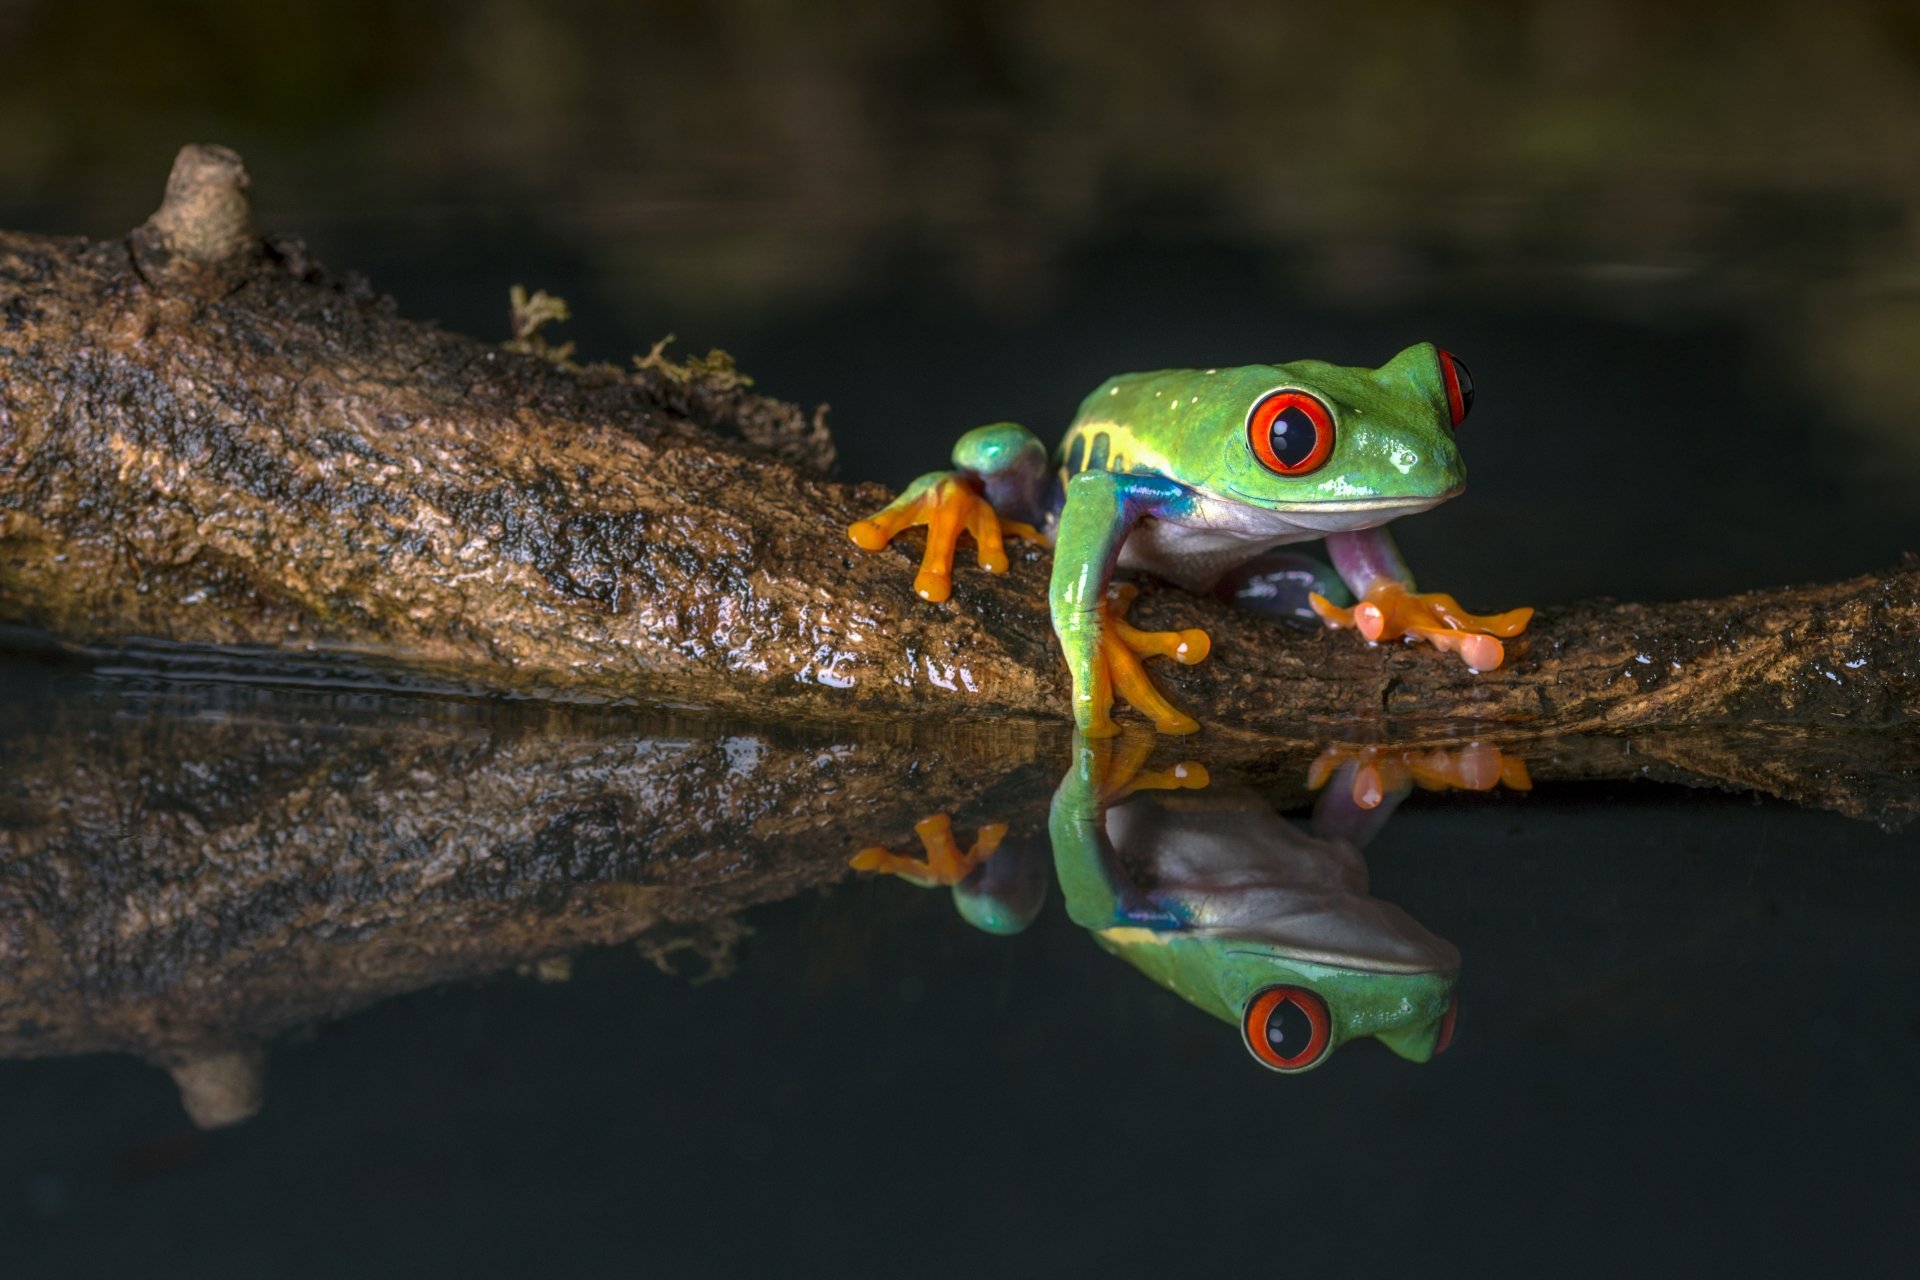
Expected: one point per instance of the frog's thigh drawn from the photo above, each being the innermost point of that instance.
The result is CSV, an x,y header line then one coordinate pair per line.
x,y
1278,583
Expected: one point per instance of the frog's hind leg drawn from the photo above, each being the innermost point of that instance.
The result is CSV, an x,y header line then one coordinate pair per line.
x,y
1281,584
999,470
1012,467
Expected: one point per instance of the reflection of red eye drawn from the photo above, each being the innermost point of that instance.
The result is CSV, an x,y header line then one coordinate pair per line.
x,y
1291,432
1454,372
1287,1028
1445,1038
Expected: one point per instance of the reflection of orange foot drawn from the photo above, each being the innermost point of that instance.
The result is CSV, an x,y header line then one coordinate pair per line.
x,y
1118,668
1118,769
1390,611
945,864
946,505
1382,770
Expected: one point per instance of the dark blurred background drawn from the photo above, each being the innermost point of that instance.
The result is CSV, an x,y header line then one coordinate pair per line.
x,y
1677,241
1679,244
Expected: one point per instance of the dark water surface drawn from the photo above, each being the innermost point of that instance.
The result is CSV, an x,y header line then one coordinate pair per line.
x,y
546,991
1685,1038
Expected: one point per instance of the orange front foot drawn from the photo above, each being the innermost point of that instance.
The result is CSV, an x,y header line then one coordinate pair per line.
x,y
1390,611
944,864
1118,668
1382,770
946,506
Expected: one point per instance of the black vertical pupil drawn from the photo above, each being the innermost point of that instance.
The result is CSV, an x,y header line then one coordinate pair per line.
x,y
1289,1029
1292,435
1463,376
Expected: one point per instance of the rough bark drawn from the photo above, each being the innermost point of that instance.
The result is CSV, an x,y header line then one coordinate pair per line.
x,y
202,437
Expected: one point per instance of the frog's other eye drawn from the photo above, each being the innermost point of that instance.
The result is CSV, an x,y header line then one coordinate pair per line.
x,y
1287,1028
1459,380
1445,1038
1291,432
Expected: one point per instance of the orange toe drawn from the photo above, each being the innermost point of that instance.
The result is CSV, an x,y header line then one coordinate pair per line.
x,y
1119,668
1391,612
947,507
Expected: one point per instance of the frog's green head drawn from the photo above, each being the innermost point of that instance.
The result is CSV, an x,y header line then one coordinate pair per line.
x,y
1292,1012
1374,442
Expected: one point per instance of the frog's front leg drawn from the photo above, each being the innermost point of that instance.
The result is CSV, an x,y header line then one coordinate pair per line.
x,y
1103,652
996,488
1099,893
1389,607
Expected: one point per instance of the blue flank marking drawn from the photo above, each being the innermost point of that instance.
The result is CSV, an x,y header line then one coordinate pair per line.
x,y
1179,503
1144,912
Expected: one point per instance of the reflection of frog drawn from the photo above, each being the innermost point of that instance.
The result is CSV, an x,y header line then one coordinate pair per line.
x,y
1191,473
1245,915
1210,893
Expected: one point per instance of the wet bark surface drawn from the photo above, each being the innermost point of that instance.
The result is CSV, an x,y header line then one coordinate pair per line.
x,y
205,437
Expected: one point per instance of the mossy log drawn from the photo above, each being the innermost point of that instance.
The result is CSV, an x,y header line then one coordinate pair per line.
x,y
203,437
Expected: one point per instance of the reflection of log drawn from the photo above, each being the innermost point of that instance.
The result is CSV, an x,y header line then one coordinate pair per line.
x,y
182,877
201,439
186,873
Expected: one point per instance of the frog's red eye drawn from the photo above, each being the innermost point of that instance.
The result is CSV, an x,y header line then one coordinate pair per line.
x,y
1454,372
1287,1028
1291,432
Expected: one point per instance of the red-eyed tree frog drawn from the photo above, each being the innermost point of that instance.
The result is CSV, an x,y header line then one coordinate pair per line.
x,y
1211,894
1192,473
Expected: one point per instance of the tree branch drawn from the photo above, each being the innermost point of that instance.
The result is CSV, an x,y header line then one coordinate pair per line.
x,y
205,438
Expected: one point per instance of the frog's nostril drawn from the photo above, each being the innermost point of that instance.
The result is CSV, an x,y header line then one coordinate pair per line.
x,y
1459,380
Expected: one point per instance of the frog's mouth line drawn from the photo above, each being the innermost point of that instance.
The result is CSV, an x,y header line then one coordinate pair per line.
x,y
1355,963
1351,504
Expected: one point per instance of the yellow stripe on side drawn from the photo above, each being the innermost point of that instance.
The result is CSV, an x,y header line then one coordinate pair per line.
x,y
1111,445
1132,935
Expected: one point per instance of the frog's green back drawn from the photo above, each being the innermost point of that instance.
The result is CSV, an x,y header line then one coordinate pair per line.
x,y
1154,422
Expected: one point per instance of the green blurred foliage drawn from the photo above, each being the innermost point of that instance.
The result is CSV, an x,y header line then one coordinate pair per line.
x,y
761,153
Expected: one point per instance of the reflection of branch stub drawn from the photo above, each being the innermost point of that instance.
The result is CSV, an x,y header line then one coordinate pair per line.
x,y
222,1087
206,218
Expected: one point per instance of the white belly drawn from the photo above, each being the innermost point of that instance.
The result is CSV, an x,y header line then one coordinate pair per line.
x,y
1194,550
1195,558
